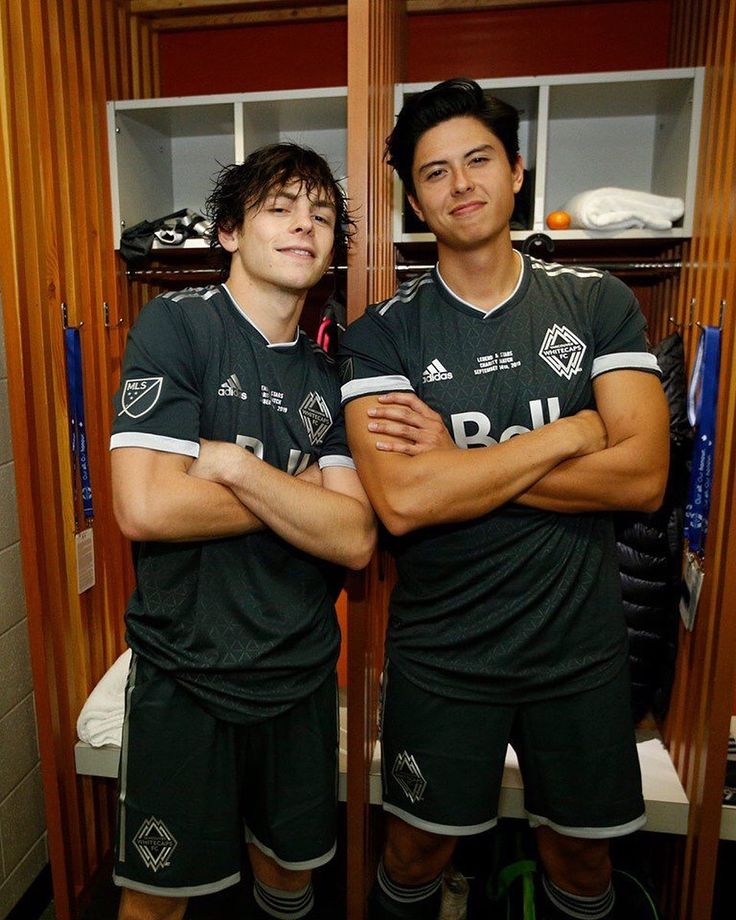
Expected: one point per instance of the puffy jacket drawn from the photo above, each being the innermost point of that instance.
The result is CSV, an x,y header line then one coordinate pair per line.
x,y
650,555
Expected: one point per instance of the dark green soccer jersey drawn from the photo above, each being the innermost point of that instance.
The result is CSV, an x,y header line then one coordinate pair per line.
x,y
518,603
246,623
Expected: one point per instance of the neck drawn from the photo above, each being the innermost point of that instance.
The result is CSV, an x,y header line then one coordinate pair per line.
x,y
484,277
275,311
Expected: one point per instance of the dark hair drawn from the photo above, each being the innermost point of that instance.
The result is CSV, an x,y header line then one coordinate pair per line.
x,y
450,99
246,186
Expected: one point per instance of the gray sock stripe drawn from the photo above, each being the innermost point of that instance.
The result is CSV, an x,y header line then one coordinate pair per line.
x,y
285,905
406,894
578,906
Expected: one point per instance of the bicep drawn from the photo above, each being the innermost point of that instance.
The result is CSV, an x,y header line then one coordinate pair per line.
x,y
138,474
379,471
632,404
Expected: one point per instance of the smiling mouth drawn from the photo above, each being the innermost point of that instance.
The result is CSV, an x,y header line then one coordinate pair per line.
x,y
469,207
298,251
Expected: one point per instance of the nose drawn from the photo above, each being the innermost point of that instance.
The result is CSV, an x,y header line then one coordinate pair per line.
x,y
461,181
301,220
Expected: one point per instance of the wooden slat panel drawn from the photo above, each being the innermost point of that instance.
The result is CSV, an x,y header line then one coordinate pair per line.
x,y
163,9
697,728
373,67
59,64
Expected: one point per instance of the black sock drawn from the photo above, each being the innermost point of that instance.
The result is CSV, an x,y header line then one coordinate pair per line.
x,y
284,905
391,901
563,905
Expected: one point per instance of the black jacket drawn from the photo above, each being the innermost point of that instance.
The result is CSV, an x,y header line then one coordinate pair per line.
x,y
650,555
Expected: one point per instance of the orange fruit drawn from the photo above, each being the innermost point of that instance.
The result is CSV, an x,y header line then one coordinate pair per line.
x,y
558,220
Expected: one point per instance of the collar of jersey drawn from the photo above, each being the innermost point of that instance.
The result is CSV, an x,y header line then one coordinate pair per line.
x,y
470,308
252,325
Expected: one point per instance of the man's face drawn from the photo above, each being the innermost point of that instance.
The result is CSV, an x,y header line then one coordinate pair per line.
x,y
464,184
288,241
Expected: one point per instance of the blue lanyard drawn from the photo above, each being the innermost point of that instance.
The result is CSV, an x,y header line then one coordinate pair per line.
x,y
702,401
80,461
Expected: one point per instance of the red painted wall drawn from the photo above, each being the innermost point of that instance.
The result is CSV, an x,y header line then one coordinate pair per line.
x,y
620,35
252,58
574,38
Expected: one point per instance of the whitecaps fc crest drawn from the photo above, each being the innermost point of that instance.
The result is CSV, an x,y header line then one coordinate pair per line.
x,y
140,395
407,774
155,843
563,351
316,417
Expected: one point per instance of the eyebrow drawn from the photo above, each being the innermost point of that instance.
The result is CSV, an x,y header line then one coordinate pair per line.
x,y
433,163
292,196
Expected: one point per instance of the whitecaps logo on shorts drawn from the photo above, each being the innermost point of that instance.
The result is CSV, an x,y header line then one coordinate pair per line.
x,y
407,774
140,395
155,843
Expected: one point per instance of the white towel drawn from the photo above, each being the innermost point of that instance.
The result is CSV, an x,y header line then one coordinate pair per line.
x,y
623,209
101,719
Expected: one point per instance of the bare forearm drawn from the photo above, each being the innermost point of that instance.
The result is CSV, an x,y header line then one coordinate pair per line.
x,y
184,508
328,524
450,485
629,474
610,480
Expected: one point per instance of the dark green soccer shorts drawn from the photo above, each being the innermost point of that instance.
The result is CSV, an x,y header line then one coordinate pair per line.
x,y
443,759
192,788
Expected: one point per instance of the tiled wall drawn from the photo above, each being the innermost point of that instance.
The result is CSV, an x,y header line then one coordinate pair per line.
x,y
22,823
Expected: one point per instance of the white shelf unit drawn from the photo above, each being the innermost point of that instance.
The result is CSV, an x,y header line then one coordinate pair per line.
x,y
636,130
165,153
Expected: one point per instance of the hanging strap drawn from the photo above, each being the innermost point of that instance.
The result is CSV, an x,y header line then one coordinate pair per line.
x,y
702,402
78,434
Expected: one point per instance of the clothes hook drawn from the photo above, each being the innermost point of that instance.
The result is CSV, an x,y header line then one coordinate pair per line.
x,y
106,315
537,239
65,318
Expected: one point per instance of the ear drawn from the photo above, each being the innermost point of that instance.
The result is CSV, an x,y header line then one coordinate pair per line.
x,y
518,174
229,239
415,206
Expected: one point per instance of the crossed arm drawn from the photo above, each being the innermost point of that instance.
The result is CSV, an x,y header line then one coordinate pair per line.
x,y
229,492
615,458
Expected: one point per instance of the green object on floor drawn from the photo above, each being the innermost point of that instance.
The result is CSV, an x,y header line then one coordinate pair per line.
x,y
512,883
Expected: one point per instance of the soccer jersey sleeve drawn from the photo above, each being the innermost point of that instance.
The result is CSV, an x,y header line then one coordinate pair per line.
x,y
158,403
620,331
335,450
370,358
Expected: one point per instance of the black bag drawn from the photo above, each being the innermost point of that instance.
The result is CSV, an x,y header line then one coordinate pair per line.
x,y
332,323
137,241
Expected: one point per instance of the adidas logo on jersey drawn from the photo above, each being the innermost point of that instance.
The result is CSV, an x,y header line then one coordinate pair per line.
x,y
435,371
232,387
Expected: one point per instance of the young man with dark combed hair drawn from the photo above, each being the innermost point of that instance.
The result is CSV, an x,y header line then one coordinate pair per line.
x,y
231,471
497,407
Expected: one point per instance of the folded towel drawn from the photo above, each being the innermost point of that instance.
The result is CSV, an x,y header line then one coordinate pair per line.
x,y
622,209
101,719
